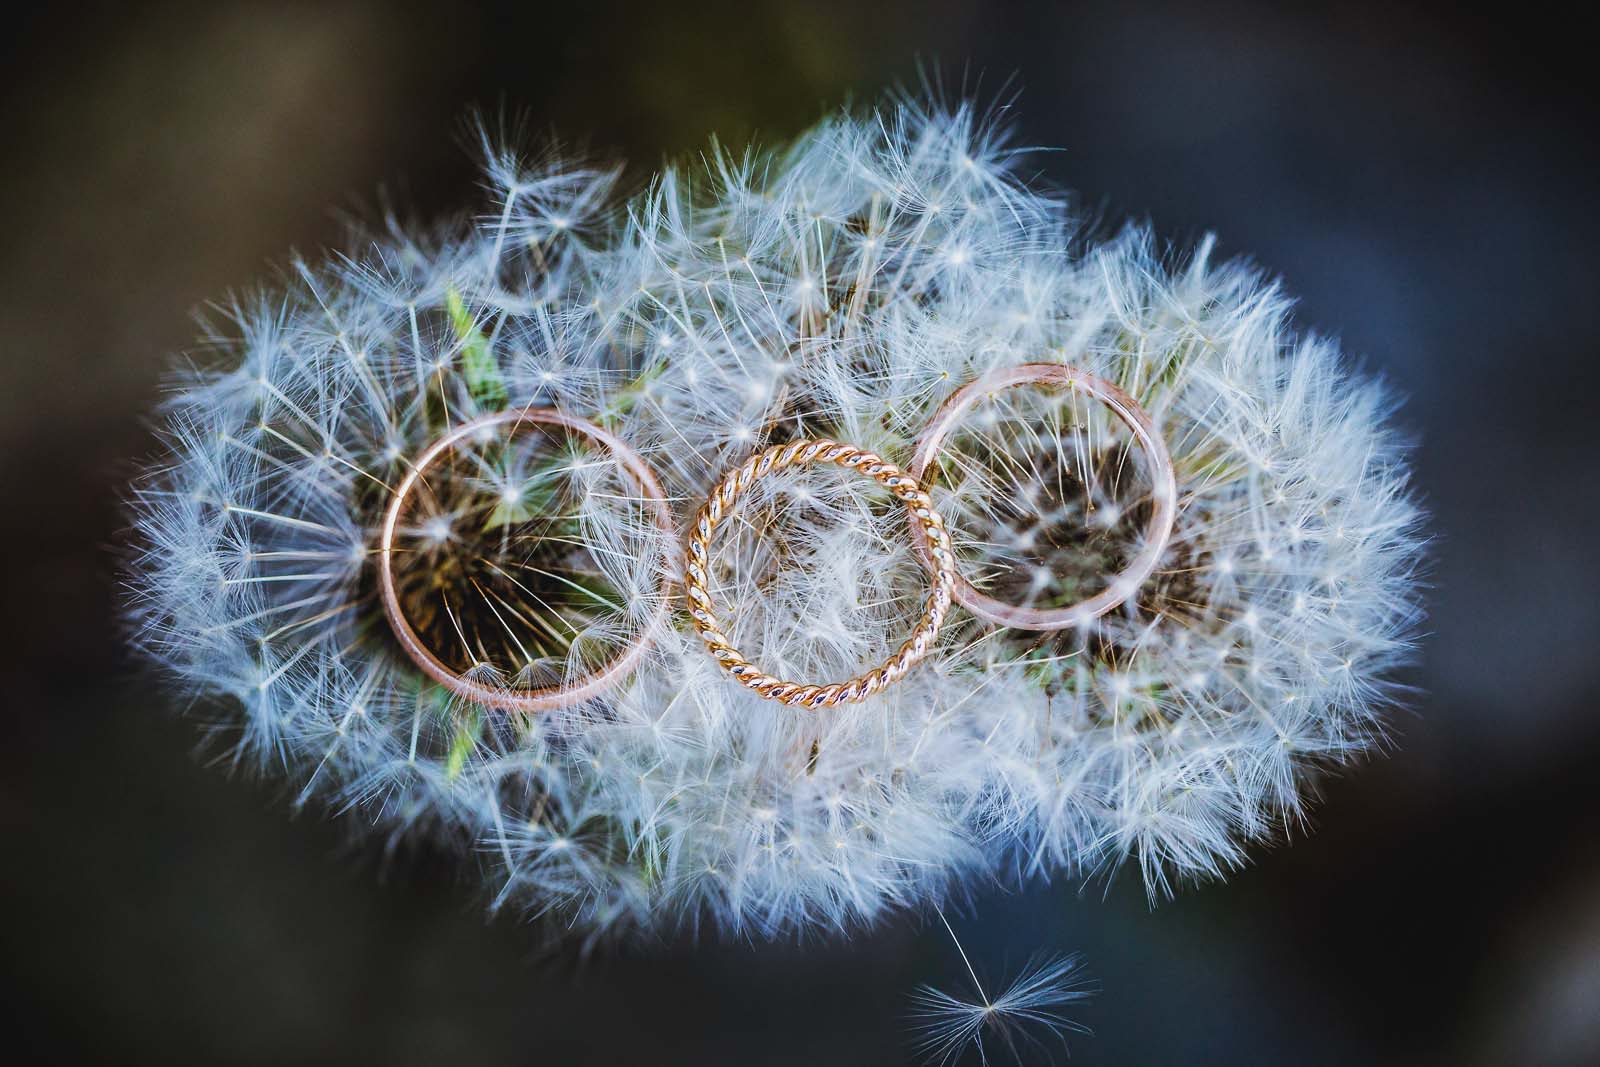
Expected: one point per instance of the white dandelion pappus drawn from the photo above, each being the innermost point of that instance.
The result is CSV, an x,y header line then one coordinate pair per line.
x,y
887,264
1025,1015
843,287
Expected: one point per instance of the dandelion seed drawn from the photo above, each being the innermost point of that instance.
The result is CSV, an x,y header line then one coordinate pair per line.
x,y
1026,1016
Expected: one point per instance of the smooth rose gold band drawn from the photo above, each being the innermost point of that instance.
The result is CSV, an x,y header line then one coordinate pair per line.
x,y
1158,465
546,698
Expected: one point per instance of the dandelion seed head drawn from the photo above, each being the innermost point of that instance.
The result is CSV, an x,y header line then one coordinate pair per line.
x,y
842,286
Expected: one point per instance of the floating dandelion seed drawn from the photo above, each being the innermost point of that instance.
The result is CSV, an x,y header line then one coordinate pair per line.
x,y
1025,1015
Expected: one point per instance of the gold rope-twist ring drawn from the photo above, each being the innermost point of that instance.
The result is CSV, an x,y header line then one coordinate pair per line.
x,y
697,565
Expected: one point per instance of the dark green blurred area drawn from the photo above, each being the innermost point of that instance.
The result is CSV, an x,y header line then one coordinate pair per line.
x,y
1422,181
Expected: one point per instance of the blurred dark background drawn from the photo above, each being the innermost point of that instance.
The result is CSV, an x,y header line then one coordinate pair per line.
x,y
1422,178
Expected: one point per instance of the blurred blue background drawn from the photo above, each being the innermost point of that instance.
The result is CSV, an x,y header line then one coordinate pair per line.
x,y
1422,178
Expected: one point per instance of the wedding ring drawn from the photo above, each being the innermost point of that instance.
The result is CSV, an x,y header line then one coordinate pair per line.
x,y
923,518
1157,463
510,698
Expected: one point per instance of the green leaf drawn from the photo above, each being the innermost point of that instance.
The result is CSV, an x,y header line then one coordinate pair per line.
x,y
478,364
625,398
509,513
462,744
539,496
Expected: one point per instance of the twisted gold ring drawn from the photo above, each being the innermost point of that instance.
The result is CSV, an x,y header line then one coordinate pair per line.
x,y
1158,464
923,517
